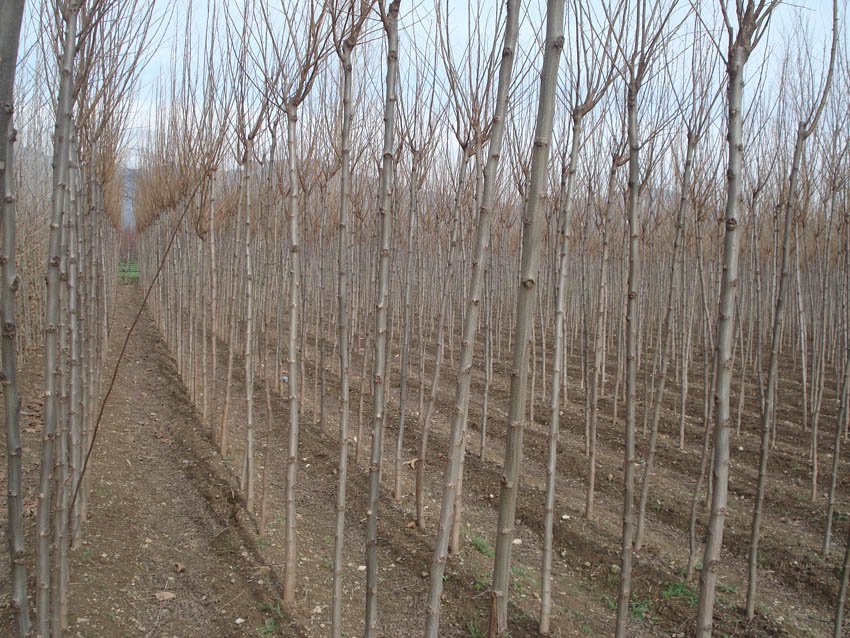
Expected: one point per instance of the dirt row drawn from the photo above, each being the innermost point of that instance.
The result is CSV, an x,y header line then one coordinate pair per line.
x,y
164,499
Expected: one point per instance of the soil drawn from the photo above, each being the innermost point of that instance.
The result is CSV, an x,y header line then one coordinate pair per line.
x,y
166,513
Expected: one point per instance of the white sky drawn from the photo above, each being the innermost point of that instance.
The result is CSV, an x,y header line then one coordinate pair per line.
x,y
418,23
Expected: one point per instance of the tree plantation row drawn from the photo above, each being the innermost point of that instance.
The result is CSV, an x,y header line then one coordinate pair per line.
x,y
61,174
555,287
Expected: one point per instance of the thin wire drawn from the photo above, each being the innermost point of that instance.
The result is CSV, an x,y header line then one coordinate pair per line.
x,y
126,341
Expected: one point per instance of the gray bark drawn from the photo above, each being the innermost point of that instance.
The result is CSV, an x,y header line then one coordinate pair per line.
x,y
533,220
470,324
11,14
61,144
381,313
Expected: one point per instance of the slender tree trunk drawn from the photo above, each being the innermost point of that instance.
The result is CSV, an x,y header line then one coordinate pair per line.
x,y
725,333
52,327
594,382
264,489
11,15
842,415
379,401
293,358
470,323
803,132
631,365
564,231
405,327
343,308
463,161
248,466
10,18
533,220
665,340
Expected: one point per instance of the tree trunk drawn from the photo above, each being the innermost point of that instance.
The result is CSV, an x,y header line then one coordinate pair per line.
x,y
343,309
564,231
665,340
293,358
725,334
52,319
379,400
11,15
470,323
533,220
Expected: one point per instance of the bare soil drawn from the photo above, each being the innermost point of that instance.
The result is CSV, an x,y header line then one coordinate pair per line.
x,y
164,496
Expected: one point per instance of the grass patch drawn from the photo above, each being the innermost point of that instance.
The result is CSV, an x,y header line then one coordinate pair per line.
x,y
523,580
268,628
473,629
641,608
128,271
680,590
482,546
481,585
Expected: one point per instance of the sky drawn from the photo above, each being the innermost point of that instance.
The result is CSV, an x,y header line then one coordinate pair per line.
x,y
418,23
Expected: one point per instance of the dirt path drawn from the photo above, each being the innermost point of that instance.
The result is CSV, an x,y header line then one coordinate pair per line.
x,y
162,555
161,523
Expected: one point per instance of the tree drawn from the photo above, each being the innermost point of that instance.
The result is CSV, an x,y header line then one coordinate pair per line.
x,y
11,15
582,100
533,217
751,20
389,16
805,129
347,26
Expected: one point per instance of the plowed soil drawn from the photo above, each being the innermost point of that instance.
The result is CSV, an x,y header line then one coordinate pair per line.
x,y
166,513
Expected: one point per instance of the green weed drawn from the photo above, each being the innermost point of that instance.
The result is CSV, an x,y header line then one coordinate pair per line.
x,y
474,629
482,546
128,271
680,590
641,608
480,585
269,628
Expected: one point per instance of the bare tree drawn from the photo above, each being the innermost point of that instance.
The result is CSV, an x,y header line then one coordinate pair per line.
x,y
533,218
751,19
347,26
590,81
69,18
11,14
389,16
805,129
651,32
470,324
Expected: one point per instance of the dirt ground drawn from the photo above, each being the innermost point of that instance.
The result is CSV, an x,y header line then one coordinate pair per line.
x,y
166,516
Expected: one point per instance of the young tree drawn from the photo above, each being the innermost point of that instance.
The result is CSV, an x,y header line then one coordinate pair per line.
x,y
69,17
389,16
11,14
651,33
805,128
699,117
470,322
305,32
590,81
347,25
750,21
533,218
